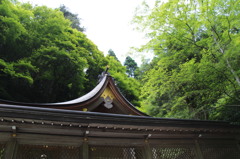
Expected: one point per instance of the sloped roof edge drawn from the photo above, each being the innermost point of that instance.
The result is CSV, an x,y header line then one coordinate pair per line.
x,y
106,80
9,110
130,105
81,99
87,96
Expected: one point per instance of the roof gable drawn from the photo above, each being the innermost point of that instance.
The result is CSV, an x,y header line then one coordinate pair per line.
x,y
104,98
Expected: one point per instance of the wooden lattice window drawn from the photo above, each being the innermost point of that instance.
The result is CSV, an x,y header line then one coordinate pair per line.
x,y
2,149
115,152
173,152
220,151
48,152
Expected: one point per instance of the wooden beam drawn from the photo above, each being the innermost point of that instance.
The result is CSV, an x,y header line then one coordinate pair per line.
x,y
11,149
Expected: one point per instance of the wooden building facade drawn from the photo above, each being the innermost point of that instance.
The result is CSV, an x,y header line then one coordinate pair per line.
x,y
104,125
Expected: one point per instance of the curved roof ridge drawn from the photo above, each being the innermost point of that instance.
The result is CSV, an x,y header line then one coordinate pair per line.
x,y
87,96
94,96
81,99
126,100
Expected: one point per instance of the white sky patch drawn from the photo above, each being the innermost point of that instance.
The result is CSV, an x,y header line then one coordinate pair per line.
x,y
107,23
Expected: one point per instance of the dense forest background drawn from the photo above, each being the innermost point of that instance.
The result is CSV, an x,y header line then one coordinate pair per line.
x,y
194,74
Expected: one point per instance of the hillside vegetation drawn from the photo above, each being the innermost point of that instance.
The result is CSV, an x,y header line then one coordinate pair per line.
x,y
45,58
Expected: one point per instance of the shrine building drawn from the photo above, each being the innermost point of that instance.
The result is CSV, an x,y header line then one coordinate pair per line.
x,y
103,124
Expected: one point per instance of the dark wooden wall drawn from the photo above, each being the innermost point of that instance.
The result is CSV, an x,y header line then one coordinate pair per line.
x,y
31,146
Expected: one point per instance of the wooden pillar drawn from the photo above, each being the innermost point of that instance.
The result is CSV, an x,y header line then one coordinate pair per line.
x,y
85,149
147,150
11,146
198,150
11,149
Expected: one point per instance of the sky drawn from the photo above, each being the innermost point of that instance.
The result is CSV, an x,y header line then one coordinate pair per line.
x,y
107,23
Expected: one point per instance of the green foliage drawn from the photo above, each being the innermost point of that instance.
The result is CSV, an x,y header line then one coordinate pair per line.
x,y
52,80
131,66
72,17
97,63
43,59
195,72
112,53
129,87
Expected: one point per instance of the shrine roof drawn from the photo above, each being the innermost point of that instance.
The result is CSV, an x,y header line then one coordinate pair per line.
x,y
87,96
105,98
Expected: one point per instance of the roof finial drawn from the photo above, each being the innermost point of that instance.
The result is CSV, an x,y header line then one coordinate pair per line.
x,y
107,68
104,73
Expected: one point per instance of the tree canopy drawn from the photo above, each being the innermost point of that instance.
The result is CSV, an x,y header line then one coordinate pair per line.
x,y
43,58
112,53
72,17
131,66
46,57
195,72
129,87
